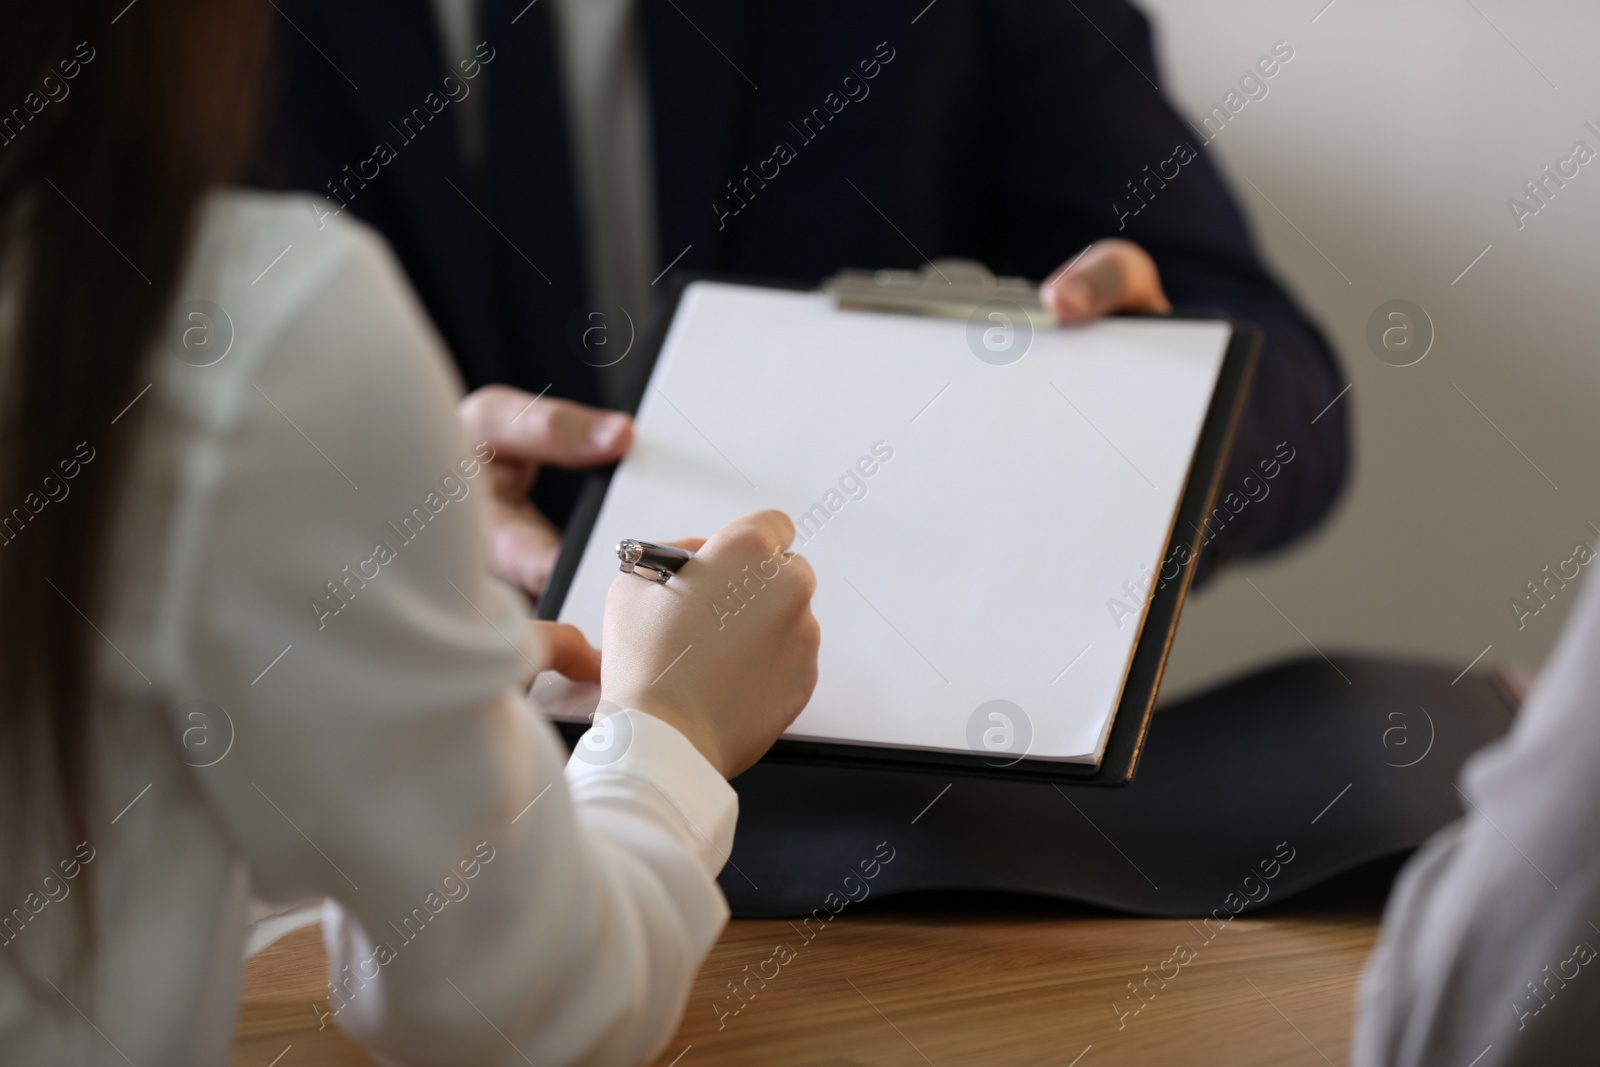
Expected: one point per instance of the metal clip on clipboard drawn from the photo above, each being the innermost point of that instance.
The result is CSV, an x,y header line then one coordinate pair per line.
x,y
945,288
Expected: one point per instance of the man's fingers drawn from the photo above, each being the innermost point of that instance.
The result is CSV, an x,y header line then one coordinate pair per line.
x,y
571,654
566,434
545,430
523,546
1111,275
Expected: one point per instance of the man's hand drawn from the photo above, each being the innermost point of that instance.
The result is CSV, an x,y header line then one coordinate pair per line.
x,y
525,436
1110,275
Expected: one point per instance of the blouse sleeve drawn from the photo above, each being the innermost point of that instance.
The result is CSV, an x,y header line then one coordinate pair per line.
x,y
488,903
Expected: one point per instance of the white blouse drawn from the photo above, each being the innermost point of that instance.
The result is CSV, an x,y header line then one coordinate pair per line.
x,y
312,689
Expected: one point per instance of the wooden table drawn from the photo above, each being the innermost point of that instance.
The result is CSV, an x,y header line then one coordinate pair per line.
x,y
965,979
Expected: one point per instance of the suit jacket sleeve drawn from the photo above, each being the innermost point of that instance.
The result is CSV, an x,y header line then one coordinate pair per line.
x,y
1081,120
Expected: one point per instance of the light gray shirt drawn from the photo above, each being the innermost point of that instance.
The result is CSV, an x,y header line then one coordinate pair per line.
x,y
1489,948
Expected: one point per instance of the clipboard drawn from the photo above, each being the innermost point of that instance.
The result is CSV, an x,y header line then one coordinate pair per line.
x,y
961,291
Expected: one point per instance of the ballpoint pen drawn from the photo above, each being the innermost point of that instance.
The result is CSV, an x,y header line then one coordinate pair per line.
x,y
662,561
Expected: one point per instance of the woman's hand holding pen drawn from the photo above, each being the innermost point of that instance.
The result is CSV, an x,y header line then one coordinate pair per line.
x,y
726,651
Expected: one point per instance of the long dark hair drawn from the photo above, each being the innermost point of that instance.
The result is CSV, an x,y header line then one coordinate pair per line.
x,y
117,118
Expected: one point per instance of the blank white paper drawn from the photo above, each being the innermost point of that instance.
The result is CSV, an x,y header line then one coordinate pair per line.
x,y
1008,511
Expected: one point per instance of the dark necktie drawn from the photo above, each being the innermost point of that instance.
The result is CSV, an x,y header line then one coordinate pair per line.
x,y
530,199
532,207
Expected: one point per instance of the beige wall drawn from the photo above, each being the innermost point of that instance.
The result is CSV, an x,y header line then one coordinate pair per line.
x,y
1392,141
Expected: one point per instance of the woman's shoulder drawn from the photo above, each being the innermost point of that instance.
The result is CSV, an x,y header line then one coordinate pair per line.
x,y
260,262
271,214
278,287
262,244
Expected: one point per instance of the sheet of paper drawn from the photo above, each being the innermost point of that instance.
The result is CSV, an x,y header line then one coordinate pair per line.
x,y
981,531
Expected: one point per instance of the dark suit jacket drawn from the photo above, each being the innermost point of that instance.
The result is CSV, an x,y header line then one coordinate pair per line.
x,y
791,139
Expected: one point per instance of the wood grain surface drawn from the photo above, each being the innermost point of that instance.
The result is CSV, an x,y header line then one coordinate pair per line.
x,y
962,979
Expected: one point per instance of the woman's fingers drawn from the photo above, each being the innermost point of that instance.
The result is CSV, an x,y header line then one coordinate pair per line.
x,y
762,532
692,544
571,654
726,651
